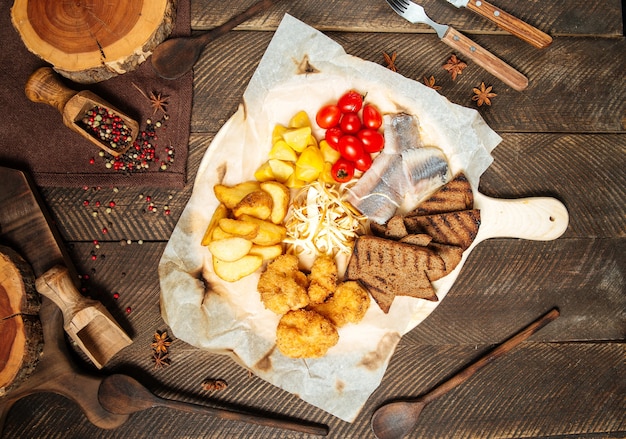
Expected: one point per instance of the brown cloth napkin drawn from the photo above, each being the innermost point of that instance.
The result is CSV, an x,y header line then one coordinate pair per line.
x,y
33,137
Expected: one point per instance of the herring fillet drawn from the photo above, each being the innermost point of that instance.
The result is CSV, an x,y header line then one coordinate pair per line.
x,y
404,168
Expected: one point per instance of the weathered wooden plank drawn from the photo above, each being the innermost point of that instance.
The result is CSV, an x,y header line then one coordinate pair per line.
x,y
538,390
525,165
568,91
559,17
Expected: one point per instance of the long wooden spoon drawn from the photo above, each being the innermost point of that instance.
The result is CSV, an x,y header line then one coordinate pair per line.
x,y
174,57
395,420
123,395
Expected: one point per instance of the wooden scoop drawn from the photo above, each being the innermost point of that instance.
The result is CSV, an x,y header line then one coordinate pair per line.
x,y
45,86
174,57
86,321
124,395
395,420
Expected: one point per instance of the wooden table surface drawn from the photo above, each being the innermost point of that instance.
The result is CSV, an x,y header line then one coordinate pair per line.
x,y
565,137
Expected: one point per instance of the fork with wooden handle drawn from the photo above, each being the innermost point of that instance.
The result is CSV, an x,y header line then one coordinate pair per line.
x,y
506,21
453,38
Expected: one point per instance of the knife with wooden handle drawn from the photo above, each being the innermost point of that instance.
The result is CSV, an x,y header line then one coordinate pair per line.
x,y
506,21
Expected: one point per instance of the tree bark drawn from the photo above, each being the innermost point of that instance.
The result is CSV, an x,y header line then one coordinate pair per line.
x,y
22,334
89,41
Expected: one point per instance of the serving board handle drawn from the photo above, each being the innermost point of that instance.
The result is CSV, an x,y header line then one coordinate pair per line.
x,y
535,218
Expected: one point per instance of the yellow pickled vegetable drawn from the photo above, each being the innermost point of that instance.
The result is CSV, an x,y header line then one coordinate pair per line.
x,y
282,170
310,164
282,151
299,120
330,155
297,138
264,173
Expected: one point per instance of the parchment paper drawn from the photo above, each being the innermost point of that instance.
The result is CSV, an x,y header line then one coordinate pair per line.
x,y
302,69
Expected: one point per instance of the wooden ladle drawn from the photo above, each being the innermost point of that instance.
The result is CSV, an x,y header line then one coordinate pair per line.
x,y
123,395
174,57
396,419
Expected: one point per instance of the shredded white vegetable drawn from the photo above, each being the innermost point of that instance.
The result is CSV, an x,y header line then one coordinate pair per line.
x,y
320,222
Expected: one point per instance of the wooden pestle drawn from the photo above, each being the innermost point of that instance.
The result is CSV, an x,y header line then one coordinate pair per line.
x,y
44,86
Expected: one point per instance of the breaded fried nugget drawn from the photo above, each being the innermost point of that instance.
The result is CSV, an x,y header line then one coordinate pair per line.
x,y
305,334
322,279
348,304
283,286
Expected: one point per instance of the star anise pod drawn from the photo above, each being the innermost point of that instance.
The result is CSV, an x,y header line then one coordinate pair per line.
x,y
454,66
158,102
161,360
391,61
483,94
430,82
161,342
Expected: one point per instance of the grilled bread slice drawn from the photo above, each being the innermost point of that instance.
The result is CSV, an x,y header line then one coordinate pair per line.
x,y
392,268
453,228
455,195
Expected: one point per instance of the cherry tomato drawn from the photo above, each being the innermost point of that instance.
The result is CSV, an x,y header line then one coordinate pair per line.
x,y
350,147
350,123
372,117
332,136
350,102
328,116
342,170
363,163
373,141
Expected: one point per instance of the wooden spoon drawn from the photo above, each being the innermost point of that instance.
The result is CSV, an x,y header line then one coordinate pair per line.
x,y
173,58
395,420
121,394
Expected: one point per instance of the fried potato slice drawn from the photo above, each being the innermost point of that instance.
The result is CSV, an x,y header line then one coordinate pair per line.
x,y
267,252
280,200
269,233
236,270
235,227
219,233
230,196
220,213
230,249
257,204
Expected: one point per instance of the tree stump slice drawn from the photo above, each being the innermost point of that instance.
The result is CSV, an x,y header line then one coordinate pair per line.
x,y
22,333
89,41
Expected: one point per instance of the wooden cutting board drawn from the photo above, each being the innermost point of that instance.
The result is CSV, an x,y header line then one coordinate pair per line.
x,y
24,227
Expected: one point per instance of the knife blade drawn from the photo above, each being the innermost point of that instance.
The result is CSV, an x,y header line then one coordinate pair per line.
x,y
414,13
506,21
27,228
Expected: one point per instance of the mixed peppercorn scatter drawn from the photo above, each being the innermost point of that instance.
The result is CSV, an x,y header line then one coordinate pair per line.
x,y
107,127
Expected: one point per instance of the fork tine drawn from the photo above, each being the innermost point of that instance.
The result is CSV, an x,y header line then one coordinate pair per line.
x,y
399,6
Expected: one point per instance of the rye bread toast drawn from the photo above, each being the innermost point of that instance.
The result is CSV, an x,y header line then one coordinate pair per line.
x,y
453,228
455,195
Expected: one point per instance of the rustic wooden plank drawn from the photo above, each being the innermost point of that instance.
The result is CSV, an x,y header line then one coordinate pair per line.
x,y
538,390
559,17
520,395
524,165
568,91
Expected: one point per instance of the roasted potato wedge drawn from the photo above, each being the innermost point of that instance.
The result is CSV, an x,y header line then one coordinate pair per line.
x,y
235,227
230,249
269,233
230,196
221,212
280,200
267,252
219,233
233,271
257,204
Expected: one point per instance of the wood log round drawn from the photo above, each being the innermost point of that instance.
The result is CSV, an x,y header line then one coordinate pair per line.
x,y
22,333
89,40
